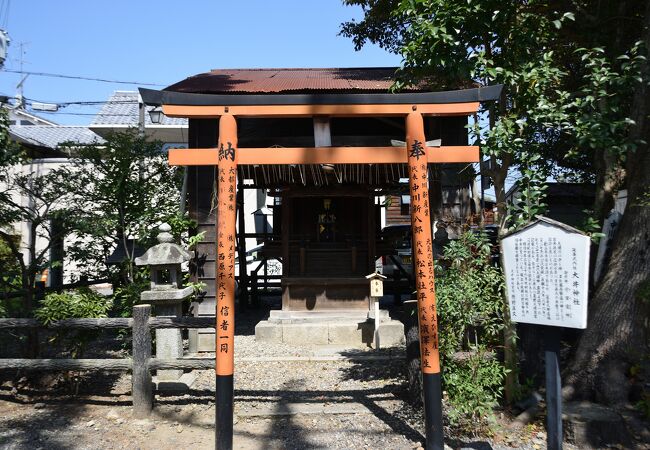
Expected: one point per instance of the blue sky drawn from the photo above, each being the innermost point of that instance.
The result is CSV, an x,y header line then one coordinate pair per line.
x,y
165,41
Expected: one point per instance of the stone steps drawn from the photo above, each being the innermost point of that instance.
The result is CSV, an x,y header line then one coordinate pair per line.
x,y
329,332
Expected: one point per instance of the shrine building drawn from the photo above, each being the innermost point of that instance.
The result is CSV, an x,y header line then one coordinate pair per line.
x,y
324,148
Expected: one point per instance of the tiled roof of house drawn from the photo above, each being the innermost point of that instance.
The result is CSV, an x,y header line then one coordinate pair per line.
x,y
52,136
273,81
122,109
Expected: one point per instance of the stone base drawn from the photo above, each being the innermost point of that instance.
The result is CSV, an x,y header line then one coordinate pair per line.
x,y
334,315
180,385
389,334
588,425
328,328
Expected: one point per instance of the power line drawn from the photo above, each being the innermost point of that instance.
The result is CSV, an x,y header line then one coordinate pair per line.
x,y
97,102
85,102
84,114
75,77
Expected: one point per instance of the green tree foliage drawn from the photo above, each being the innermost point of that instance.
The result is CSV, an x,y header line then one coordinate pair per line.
x,y
598,123
469,290
10,278
31,197
9,155
451,44
575,96
123,189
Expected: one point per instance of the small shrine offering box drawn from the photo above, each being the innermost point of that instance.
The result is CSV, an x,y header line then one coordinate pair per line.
x,y
546,266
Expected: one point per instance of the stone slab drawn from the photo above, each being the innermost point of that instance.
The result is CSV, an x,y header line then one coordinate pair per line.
x,y
589,425
181,385
205,341
268,332
305,334
287,316
169,344
166,296
390,334
350,333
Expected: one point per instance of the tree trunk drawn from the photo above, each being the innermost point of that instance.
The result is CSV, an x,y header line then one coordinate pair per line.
x,y
616,334
605,166
498,175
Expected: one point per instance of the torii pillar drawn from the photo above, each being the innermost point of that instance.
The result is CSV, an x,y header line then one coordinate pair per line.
x,y
424,279
226,185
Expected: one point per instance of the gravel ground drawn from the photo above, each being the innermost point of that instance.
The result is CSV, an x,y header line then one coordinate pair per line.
x,y
285,398
279,405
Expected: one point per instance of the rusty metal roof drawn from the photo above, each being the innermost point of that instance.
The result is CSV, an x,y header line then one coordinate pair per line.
x,y
274,81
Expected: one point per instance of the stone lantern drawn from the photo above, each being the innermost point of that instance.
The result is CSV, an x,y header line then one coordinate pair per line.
x,y
166,295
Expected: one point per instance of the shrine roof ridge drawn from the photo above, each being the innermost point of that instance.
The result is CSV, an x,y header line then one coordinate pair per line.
x,y
484,93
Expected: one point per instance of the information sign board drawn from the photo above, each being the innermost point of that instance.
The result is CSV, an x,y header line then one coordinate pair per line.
x,y
546,267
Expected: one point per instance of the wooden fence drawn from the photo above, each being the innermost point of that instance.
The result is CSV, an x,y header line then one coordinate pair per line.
x,y
141,364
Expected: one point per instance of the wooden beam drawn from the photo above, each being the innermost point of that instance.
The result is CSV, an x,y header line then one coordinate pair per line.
x,y
214,111
322,155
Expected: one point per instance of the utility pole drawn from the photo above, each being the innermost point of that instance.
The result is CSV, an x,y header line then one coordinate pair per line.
x,y
140,117
20,102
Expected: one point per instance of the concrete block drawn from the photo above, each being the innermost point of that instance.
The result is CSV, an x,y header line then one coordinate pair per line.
x,y
205,341
390,334
169,344
268,332
305,334
346,333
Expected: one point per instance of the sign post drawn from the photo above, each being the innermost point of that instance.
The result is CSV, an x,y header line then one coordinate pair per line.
x,y
376,292
546,265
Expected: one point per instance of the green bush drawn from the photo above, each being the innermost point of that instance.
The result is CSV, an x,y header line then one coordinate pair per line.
x,y
473,387
469,291
10,280
76,304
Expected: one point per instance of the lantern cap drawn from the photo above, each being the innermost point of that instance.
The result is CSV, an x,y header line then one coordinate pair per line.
x,y
165,253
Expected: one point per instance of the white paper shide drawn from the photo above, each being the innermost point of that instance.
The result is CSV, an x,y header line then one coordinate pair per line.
x,y
547,273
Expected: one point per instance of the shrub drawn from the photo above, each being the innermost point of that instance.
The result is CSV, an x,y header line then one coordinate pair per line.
x,y
469,291
77,304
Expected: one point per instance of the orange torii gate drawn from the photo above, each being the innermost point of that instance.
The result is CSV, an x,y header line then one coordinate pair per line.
x,y
227,157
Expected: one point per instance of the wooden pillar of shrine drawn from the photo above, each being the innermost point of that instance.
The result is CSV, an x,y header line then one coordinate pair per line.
x,y
424,279
225,280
